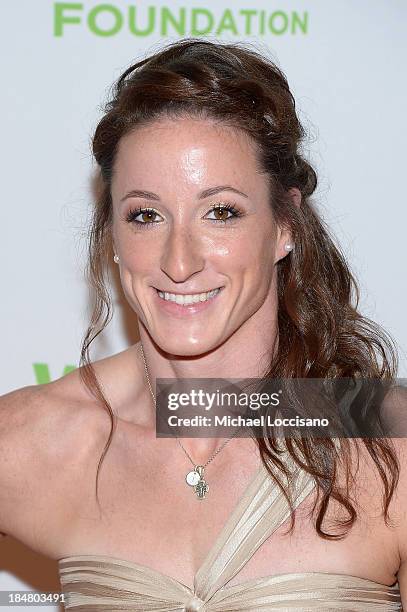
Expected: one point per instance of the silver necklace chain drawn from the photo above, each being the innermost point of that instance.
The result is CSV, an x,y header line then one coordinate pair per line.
x,y
212,457
194,478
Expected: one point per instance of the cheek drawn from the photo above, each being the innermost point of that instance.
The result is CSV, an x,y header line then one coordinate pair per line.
x,y
250,270
256,263
136,252
254,250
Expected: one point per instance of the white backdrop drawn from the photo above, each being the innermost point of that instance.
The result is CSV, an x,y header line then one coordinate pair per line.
x,y
345,62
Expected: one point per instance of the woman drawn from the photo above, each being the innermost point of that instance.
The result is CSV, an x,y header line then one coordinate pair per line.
x,y
205,192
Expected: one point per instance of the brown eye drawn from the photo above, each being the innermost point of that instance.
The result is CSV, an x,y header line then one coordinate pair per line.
x,y
224,213
142,217
221,214
148,215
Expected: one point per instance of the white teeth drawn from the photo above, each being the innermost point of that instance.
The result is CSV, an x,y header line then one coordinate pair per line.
x,y
184,300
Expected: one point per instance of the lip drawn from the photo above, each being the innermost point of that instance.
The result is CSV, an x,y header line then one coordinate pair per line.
x,y
181,311
187,292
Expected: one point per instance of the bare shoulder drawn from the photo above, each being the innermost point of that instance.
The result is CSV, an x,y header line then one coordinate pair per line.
x,y
395,418
47,433
43,420
395,412
399,504
398,514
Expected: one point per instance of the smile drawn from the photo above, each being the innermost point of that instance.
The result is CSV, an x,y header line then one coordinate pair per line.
x,y
187,299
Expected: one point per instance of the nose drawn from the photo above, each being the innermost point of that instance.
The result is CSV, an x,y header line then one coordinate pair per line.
x,y
182,254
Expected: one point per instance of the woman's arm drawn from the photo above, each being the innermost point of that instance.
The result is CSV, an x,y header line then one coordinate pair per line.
x,y
400,515
15,408
48,440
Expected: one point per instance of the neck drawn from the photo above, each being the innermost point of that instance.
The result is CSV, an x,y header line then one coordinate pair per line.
x,y
246,354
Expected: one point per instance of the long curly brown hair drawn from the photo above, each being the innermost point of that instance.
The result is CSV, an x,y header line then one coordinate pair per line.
x,y
321,333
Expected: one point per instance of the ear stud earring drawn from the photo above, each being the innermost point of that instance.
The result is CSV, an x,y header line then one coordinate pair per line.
x,y
116,258
288,246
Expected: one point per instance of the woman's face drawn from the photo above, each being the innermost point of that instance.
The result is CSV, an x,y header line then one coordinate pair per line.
x,y
168,177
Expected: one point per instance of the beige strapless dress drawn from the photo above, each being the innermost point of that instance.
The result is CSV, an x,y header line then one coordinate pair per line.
x,y
96,583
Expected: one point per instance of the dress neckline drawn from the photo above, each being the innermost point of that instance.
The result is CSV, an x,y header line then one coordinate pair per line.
x,y
261,509
118,561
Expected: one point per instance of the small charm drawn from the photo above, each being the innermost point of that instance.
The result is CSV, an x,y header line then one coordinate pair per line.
x,y
202,487
192,478
196,480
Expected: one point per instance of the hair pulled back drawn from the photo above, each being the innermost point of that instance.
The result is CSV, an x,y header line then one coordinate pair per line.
x,y
320,332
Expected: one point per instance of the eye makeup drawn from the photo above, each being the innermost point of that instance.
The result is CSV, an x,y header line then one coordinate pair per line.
x,y
219,208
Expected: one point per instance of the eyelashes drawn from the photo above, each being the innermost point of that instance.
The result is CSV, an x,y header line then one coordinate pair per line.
x,y
150,213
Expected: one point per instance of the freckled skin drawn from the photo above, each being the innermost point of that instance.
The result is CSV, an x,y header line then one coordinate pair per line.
x,y
185,249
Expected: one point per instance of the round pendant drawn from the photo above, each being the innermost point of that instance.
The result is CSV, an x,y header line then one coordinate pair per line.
x,y
192,478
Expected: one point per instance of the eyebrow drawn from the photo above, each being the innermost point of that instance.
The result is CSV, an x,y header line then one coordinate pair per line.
x,y
148,195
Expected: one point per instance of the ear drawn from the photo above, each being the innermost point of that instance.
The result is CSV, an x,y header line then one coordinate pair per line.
x,y
284,235
295,195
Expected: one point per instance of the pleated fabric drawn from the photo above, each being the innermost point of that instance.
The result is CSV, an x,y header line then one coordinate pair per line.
x,y
95,583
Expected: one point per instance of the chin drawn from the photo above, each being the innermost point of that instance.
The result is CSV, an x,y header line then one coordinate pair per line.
x,y
186,347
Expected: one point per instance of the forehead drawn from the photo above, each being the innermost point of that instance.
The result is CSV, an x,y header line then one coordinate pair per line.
x,y
195,151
